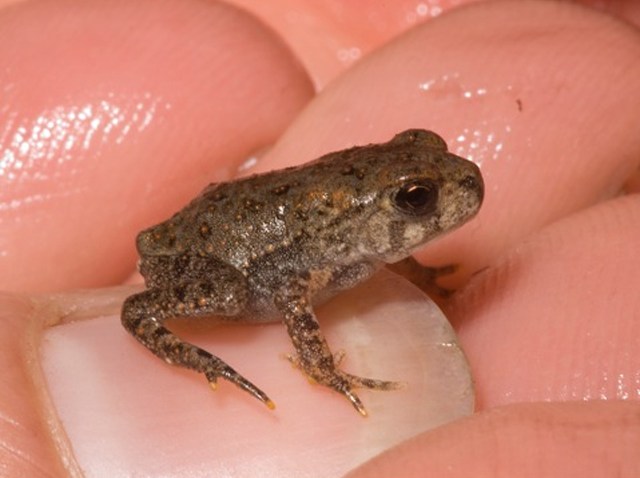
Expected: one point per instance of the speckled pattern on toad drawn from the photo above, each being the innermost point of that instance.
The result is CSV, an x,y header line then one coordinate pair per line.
x,y
271,246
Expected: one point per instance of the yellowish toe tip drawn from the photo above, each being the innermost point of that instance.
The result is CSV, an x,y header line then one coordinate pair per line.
x,y
270,405
214,386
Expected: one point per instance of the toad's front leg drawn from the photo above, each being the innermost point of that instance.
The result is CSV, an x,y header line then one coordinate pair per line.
x,y
424,277
313,355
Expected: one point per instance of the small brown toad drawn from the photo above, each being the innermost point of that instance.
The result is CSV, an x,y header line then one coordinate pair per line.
x,y
271,246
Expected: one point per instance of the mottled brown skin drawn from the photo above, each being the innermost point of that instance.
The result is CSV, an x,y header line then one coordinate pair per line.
x,y
271,246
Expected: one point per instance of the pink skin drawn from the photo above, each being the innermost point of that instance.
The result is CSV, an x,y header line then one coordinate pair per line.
x,y
553,318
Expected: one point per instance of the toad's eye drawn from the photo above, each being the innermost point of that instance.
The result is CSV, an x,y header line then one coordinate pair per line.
x,y
417,198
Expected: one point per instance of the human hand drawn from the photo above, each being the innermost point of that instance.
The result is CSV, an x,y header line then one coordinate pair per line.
x,y
551,170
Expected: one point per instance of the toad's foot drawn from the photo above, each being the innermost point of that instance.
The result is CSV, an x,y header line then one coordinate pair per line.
x,y
424,277
143,316
313,355
344,383
213,371
329,375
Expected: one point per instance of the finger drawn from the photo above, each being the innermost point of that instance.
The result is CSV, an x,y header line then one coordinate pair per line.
x,y
592,439
114,114
557,318
27,446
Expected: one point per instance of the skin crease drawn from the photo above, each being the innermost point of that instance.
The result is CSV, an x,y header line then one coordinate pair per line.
x,y
574,148
349,30
352,29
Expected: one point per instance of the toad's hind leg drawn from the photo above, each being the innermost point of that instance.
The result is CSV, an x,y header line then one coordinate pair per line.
x,y
313,355
143,316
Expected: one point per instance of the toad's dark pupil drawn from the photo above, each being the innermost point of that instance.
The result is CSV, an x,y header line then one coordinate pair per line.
x,y
417,198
